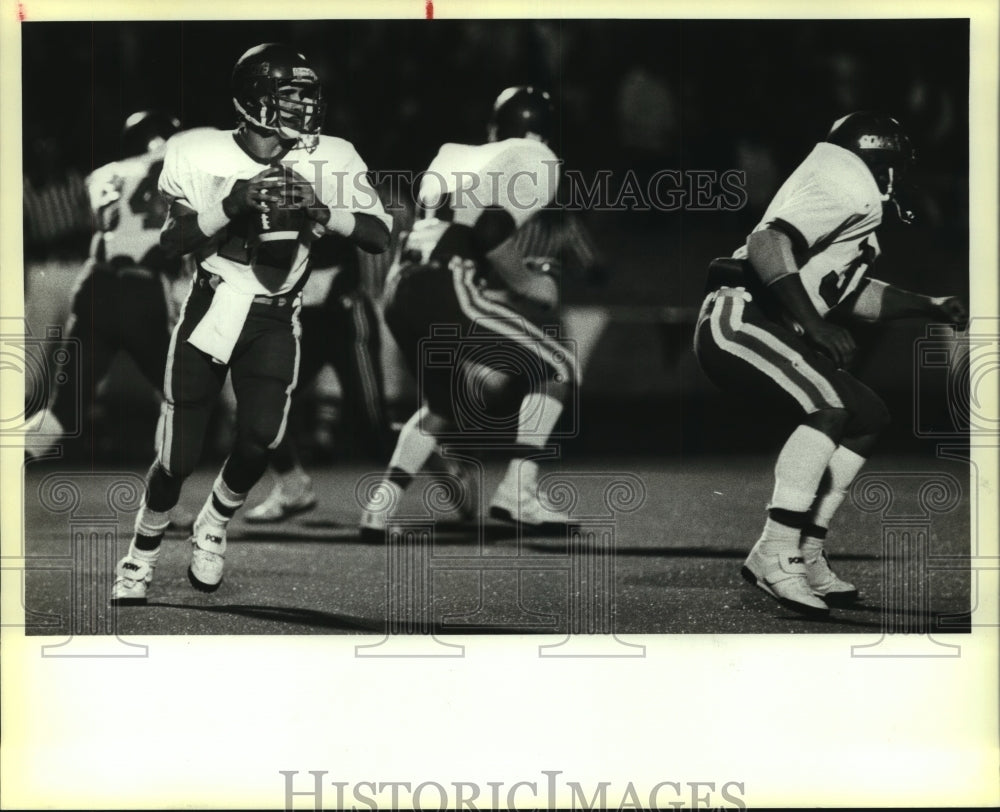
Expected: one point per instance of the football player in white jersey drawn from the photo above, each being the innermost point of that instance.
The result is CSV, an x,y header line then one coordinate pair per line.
x,y
461,271
126,298
247,204
762,332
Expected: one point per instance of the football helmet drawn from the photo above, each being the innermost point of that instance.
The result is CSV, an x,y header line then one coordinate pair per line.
x,y
880,141
523,112
275,89
145,130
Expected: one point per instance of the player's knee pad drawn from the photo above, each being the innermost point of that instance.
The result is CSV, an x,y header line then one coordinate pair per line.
x,y
869,415
489,388
831,422
254,439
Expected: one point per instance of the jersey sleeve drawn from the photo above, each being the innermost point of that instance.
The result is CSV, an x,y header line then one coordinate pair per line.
x,y
350,188
522,180
175,182
812,214
103,187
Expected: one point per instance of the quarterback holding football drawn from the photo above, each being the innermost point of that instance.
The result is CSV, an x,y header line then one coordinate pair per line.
x,y
247,204
763,332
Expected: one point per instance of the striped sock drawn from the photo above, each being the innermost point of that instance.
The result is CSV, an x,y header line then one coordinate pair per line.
x,y
220,507
149,528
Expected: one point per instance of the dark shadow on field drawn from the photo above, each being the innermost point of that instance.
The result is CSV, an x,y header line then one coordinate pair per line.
x,y
677,552
339,622
283,614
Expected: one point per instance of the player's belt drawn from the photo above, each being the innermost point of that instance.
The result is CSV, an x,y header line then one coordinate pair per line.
x,y
206,280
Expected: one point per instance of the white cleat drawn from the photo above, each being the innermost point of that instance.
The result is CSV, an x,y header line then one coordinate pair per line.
x,y
781,573
825,583
208,557
520,504
378,511
41,433
133,575
283,503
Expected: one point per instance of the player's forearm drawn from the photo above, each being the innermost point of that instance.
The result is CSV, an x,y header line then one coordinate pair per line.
x,y
365,230
903,304
185,233
772,259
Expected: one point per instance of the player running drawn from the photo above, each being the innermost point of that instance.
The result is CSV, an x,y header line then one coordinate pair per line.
x,y
763,332
127,296
248,203
462,268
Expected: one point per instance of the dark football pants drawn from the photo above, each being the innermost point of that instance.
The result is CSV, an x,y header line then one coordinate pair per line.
x,y
743,351
264,366
443,321
113,310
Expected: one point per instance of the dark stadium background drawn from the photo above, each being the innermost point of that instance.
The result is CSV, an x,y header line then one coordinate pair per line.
x,y
642,95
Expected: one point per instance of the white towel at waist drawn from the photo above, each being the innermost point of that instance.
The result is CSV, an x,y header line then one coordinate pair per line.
x,y
219,329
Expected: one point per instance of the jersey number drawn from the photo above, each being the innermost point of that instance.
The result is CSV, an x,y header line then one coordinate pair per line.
x,y
146,200
832,287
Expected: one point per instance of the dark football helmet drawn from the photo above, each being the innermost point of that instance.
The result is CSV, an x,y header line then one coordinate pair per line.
x,y
523,112
880,142
146,128
275,89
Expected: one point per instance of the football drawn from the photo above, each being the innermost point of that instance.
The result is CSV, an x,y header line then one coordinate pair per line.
x,y
274,238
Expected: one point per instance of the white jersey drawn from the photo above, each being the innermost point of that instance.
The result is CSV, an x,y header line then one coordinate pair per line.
x,y
520,175
201,167
128,210
829,207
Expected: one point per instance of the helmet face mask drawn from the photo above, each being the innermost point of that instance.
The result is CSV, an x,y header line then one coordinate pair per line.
x,y
886,150
275,89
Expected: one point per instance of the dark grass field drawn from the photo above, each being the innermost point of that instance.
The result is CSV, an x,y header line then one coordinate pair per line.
x,y
658,551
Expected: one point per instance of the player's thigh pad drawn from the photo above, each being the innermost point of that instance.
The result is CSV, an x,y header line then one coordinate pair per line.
x,y
192,382
264,373
740,350
517,343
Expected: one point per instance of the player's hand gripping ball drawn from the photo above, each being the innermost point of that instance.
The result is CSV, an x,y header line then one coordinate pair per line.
x,y
278,220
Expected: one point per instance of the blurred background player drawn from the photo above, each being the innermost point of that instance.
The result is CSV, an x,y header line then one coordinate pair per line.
x,y
763,332
339,327
126,298
248,203
462,265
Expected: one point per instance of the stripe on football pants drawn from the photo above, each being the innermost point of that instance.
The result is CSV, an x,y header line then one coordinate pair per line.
x,y
165,428
511,324
767,353
296,334
363,362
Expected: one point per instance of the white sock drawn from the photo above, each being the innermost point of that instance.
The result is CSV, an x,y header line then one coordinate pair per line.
x,y
150,522
843,467
799,469
414,446
220,506
537,418
797,475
